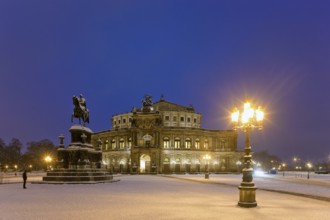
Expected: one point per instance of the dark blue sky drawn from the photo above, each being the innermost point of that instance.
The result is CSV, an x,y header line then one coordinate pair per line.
x,y
211,54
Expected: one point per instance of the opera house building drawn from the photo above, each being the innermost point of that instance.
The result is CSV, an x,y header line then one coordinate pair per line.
x,y
164,138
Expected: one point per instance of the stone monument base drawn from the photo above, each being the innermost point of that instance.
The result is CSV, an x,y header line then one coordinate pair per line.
x,y
85,175
80,162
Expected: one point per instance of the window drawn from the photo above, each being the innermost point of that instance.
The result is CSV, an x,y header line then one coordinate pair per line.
x,y
129,142
197,144
188,143
188,120
177,143
206,144
166,160
121,143
174,118
124,120
182,119
195,120
167,118
118,121
113,144
130,120
106,144
166,142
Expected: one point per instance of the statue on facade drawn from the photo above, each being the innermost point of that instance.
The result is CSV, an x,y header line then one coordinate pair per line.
x,y
147,101
80,110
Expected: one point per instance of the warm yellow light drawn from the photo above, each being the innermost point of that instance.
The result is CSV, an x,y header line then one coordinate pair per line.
x,y
48,159
207,157
259,114
247,105
235,116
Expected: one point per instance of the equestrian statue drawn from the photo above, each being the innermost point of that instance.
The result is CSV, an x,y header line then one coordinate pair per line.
x,y
80,110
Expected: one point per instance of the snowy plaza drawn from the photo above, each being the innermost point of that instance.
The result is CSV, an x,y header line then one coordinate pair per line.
x,y
168,197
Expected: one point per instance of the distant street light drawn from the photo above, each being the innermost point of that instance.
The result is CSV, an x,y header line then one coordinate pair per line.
x,y
283,166
48,160
207,158
309,166
248,119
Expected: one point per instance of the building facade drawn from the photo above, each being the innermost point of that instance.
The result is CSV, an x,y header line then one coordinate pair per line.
x,y
164,137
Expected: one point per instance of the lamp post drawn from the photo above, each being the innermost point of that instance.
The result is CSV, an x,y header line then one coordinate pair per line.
x,y
207,158
283,167
309,166
248,119
48,159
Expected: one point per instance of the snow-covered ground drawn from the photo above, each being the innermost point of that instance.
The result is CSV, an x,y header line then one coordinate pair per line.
x,y
159,197
317,186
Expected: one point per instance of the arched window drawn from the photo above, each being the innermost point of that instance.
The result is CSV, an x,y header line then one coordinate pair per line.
x,y
166,142
106,145
113,144
177,143
206,144
129,143
121,143
188,143
197,144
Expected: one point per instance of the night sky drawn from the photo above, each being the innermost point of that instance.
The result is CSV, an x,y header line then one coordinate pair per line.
x,y
211,54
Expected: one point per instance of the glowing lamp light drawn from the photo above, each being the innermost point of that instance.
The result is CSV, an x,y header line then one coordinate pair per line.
x,y
235,116
48,159
259,114
250,118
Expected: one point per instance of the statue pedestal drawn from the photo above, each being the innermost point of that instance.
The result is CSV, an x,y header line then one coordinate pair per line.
x,y
79,162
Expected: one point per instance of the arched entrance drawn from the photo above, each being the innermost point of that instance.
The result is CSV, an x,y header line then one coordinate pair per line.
x,y
145,163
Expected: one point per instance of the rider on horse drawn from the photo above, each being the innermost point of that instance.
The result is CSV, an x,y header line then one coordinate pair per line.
x,y
80,110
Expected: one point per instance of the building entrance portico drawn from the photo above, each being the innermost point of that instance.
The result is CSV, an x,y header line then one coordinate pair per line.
x,y
145,163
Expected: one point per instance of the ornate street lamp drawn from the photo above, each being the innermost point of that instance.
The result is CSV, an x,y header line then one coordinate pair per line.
x,y
207,158
246,120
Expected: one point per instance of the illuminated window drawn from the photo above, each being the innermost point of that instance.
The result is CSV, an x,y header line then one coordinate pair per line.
x,y
206,144
197,143
177,143
129,142
121,143
113,144
188,143
166,160
166,142
106,144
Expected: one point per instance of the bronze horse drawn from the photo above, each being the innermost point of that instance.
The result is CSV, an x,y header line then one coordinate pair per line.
x,y
80,111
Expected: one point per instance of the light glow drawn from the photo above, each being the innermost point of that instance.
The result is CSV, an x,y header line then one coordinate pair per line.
x,y
235,116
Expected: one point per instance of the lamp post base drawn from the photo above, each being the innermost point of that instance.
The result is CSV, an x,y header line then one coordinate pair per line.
x,y
247,195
